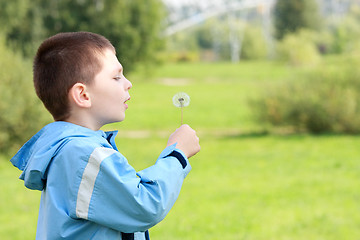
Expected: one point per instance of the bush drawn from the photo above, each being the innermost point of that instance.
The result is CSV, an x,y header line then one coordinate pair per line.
x,y
326,100
345,33
299,49
22,113
254,45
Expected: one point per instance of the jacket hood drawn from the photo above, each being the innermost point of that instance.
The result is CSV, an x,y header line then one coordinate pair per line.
x,y
35,157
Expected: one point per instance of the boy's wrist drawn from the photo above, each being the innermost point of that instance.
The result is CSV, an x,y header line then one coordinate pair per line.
x,y
179,156
168,152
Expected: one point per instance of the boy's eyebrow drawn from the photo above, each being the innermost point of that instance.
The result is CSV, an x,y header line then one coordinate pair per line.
x,y
118,69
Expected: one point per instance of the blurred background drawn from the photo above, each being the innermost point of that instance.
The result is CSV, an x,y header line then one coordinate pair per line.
x,y
275,99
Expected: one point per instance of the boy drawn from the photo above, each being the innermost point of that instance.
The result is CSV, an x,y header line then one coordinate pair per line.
x,y
89,191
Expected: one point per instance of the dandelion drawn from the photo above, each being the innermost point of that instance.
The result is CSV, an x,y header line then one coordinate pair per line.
x,y
181,100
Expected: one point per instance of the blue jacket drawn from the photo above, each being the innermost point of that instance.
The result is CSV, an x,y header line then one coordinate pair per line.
x,y
89,190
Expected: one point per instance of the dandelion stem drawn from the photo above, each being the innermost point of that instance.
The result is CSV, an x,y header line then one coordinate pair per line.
x,y
181,115
181,100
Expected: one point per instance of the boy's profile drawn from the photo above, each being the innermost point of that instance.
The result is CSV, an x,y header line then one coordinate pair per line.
x,y
89,191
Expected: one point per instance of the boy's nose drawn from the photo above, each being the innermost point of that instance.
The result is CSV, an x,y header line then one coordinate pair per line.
x,y
129,85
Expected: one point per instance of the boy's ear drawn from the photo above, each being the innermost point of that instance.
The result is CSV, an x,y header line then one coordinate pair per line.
x,y
79,95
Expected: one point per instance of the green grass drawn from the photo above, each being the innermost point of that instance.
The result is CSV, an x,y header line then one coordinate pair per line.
x,y
18,205
243,185
267,187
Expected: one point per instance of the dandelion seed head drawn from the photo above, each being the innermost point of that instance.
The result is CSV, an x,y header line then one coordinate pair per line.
x,y
181,99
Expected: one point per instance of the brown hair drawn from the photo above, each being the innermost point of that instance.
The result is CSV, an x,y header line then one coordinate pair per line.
x,y
63,60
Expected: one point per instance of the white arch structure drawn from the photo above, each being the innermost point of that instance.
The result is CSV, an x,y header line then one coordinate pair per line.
x,y
218,9
198,11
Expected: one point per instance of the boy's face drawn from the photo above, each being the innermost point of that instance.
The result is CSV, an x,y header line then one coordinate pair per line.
x,y
109,91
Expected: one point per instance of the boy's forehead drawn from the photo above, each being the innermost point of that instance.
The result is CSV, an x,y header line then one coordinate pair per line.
x,y
110,61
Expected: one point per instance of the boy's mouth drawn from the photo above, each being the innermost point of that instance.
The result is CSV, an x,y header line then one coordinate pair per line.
x,y
126,106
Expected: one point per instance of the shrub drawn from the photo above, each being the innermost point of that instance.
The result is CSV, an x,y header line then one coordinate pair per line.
x,y
345,33
254,45
21,113
326,100
299,49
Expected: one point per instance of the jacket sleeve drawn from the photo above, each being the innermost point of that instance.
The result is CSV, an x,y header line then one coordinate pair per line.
x,y
112,194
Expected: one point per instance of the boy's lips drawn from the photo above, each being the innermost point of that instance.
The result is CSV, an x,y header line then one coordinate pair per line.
x,y
126,106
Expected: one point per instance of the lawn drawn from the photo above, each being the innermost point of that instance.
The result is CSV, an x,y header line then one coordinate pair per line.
x,y
244,184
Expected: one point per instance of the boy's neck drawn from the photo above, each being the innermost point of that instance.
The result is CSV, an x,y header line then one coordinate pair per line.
x,y
84,122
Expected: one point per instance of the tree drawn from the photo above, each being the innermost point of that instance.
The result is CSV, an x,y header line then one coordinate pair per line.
x,y
292,15
133,26
21,25
22,114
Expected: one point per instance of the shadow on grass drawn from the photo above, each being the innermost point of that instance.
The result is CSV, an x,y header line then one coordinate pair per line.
x,y
245,135
266,133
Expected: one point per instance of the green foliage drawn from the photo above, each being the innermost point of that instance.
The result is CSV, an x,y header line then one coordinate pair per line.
x,y
23,25
254,44
293,15
133,26
324,100
204,35
345,33
181,47
22,114
299,49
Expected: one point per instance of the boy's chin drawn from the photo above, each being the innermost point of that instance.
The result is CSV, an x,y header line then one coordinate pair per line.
x,y
119,119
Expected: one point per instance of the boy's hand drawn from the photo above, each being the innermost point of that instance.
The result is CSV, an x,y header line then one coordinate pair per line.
x,y
186,139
